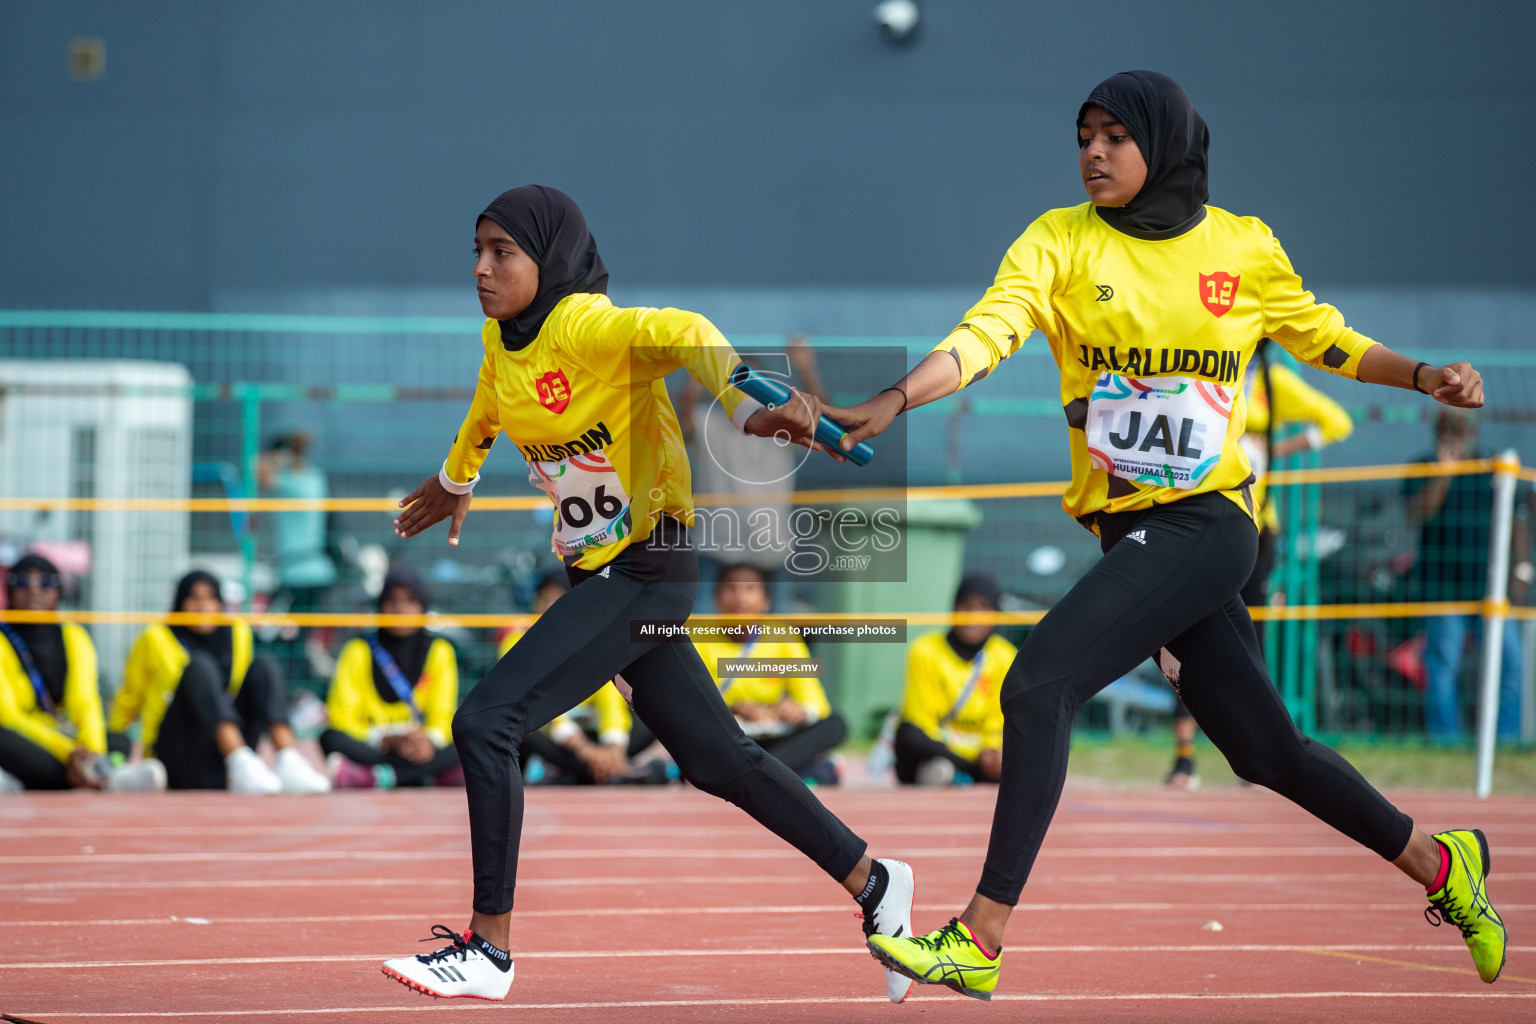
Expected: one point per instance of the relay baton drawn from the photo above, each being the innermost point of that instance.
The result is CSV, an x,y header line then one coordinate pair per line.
x,y
771,393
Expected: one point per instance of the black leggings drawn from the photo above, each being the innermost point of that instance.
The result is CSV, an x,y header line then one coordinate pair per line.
x,y
1174,584
30,763
187,743
36,767
582,641
913,747
806,745
1255,593
407,772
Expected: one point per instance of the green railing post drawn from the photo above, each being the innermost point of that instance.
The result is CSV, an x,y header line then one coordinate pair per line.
x,y
1312,587
1292,529
250,453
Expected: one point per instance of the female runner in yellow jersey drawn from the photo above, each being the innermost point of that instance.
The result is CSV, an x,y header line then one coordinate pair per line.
x,y
577,384
1152,303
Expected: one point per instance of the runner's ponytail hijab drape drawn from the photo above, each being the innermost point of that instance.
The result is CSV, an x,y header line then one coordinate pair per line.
x,y
548,225
1175,143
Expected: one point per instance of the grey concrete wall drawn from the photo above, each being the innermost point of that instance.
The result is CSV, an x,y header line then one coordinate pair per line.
x,y
268,153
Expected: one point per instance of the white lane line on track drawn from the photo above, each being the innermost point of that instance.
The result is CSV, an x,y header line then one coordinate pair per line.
x,y
642,954
663,853
689,880
683,911
663,1004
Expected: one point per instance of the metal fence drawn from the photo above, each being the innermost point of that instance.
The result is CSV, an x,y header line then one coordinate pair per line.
x,y
380,398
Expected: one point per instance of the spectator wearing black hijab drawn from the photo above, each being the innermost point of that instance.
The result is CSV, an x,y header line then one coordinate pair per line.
x,y
1152,303
52,731
392,700
204,702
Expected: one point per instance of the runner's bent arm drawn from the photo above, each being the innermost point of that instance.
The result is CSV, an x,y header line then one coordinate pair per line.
x,y
1315,333
639,345
1017,303
433,502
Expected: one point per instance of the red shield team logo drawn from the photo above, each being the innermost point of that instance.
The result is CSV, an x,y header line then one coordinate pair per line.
x,y
554,391
1218,291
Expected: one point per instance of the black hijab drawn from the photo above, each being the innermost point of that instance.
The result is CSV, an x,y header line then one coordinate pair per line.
x,y
549,227
977,584
410,652
220,644
44,640
1175,143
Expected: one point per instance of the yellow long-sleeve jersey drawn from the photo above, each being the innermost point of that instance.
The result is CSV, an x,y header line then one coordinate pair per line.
x,y
1295,401
356,708
936,677
21,713
605,711
1152,339
587,407
154,669
806,691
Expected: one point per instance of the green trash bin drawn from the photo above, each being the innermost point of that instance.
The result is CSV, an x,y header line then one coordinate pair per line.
x,y
865,678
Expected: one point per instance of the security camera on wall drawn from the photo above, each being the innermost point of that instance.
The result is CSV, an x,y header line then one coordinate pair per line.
x,y
898,20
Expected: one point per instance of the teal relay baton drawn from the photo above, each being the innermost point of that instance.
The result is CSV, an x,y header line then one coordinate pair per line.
x,y
771,393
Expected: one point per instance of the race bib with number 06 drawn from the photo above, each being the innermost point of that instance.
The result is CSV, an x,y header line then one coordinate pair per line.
x,y
591,505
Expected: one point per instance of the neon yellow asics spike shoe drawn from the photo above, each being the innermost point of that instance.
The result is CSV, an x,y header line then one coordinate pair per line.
x,y
1463,901
950,956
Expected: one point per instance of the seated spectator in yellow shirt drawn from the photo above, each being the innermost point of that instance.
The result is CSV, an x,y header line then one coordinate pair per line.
x,y
204,702
392,701
951,726
52,731
790,718
597,740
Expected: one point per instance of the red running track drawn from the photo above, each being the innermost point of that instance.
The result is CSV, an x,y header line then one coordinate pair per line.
x,y
646,905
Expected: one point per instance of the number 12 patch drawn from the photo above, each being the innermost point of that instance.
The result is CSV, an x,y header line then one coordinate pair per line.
x,y
554,391
1218,291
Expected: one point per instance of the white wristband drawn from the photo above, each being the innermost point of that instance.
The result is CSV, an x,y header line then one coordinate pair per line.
x,y
455,488
744,412
1314,437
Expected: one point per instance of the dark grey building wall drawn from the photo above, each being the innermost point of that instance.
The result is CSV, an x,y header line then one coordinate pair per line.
x,y
302,146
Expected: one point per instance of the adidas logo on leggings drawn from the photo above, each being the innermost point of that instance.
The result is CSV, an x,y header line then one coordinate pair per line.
x,y
1139,536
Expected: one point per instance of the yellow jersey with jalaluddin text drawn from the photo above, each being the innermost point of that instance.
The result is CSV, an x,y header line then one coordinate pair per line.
x,y
586,405
1153,340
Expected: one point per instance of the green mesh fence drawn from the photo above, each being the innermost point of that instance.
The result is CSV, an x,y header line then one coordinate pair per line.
x,y
87,414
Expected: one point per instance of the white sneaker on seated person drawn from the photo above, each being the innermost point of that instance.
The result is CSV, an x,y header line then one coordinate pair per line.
x,y
248,773
297,775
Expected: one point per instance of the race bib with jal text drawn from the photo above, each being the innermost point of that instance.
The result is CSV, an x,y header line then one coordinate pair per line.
x,y
1165,431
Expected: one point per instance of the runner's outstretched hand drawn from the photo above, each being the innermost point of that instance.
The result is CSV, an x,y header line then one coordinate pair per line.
x,y
794,421
1456,385
429,504
869,418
